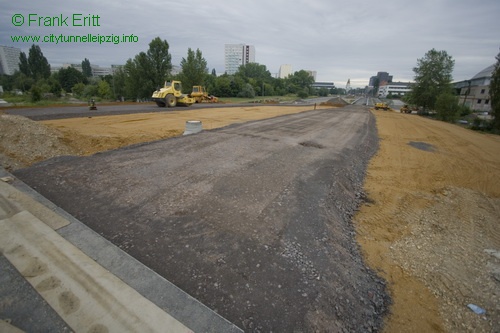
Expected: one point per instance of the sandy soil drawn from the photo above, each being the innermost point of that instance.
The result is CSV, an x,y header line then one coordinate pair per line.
x,y
90,135
431,227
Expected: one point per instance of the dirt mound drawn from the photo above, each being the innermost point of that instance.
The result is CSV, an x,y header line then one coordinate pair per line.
x,y
337,101
24,142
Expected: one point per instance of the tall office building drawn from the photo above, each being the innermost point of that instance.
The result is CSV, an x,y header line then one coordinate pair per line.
x,y
383,79
312,73
285,71
9,59
236,55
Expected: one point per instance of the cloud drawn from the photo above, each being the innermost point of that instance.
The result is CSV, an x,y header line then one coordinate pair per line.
x,y
352,40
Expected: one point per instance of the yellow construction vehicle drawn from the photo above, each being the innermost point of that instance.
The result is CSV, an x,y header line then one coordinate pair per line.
x,y
171,95
405,109
200,95
382,106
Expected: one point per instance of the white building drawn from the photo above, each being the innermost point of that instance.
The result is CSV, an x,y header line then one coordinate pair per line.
x,y
394,88
475,93
285,71
97,71
236,55
9,59
312,73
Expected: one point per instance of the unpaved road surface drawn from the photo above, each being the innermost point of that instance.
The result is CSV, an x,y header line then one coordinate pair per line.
x,y
110,109
432,224
254,220
82,132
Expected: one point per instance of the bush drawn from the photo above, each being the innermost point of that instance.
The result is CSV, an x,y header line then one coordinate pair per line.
x,y
247,91
447,108
36,94
78,89
90,91
464,110
303,94
479,124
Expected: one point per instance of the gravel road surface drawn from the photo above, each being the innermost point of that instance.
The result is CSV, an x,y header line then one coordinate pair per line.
x,y
254,220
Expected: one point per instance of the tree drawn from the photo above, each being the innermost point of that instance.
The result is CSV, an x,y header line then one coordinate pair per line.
x,y
194,70
86,68
104,90
495,94
433,77
222,86
323,92
247,91
214,73
70,76
55,86
24,67
119,83
301,81
147,71
139,82
22,81
36,93
254,70
90,91
255,74
38,65
160,61
78,89
447,107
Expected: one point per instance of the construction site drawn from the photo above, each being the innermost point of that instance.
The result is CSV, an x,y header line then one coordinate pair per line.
x,y
298,217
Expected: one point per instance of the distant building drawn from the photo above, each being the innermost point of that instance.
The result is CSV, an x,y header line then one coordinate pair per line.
x,y
97,71
475,93
9,59
312,73
383,78
176,70
394,88
285,71
101,71
114,68
327,85
236,55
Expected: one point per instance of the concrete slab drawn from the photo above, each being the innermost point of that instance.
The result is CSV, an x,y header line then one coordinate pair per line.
x,y
83,293
18,201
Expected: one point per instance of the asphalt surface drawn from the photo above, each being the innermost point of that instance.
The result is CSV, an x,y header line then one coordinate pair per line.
x,y
253,220
63,112
60,276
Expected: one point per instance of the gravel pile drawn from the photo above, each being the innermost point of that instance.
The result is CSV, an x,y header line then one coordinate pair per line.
x,y
24,142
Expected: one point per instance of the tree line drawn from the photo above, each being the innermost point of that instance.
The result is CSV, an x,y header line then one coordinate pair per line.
x,y
433,89
147,71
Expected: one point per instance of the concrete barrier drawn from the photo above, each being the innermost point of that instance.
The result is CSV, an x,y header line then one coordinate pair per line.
x,y
193,126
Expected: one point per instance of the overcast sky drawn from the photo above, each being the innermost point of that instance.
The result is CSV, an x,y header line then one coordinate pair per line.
x,y
338,39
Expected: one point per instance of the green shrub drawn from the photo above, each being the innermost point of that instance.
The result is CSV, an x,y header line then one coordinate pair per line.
x,y
36,94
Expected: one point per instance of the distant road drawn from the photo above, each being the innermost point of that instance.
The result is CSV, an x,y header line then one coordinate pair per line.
x,y
49,113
